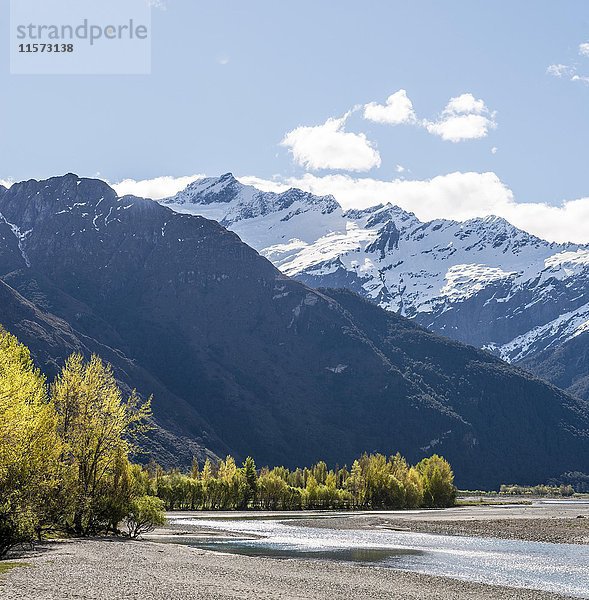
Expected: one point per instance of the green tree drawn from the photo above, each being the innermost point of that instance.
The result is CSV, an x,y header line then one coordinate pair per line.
x,y
251,481
29,447
413,489
356,484
320,472
98,429
144,515
194,470
273,491
438,482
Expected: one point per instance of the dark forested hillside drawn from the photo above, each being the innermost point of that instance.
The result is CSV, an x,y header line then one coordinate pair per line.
x,y
240,357
53,340
566,366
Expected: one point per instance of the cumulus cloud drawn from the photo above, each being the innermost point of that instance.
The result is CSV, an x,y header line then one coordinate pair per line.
x,y
397,110
329,146
584,49
466,104
464,118
156,188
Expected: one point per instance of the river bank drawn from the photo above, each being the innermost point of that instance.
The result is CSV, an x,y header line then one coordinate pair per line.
x,y
115,569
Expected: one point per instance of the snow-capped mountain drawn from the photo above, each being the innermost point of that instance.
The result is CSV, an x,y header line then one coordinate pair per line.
x,y
241,359
481,281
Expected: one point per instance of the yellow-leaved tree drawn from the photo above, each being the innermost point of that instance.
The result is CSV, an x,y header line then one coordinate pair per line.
x,y
438,482
29,446
99,430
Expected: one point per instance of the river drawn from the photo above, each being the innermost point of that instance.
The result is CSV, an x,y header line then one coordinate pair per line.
x,y
561,568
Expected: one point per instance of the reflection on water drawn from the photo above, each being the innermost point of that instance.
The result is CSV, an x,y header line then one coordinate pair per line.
x,y
360,555
562,568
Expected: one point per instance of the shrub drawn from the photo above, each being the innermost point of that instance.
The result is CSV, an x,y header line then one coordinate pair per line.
x,y
145,514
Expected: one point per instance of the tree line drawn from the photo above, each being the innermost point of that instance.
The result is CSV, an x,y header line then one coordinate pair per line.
x,y
564,490
373,482
65,465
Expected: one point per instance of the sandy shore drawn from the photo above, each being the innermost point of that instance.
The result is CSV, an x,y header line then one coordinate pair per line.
x,y
117,570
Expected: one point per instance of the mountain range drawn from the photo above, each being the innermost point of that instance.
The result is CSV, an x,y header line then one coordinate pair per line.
x,y
482,282
242,358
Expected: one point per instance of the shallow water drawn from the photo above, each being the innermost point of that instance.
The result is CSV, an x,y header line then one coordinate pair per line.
x,y
562,568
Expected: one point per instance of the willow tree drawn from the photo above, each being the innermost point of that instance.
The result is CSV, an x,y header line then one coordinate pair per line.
x,y
98,429
29,446
438,482
251,479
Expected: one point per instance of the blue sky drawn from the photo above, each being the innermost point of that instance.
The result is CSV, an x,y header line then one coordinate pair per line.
x,y
231,79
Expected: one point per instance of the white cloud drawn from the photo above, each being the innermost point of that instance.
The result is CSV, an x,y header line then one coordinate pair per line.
x,y
464,118
564,223
399,168
494,150
157,188
466,104
329,146
455,196
397,110
581,78
458,196
460,127
559,70
266,185
571,72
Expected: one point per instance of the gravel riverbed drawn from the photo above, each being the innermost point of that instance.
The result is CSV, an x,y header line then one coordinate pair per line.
x,y
113,569
116,570
552,524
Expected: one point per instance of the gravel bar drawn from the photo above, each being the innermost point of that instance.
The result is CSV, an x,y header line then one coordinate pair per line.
x,y
112,569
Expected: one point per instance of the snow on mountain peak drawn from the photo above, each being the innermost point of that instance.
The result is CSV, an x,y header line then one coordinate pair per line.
x,y
209,190
570,263
227,200
474,280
